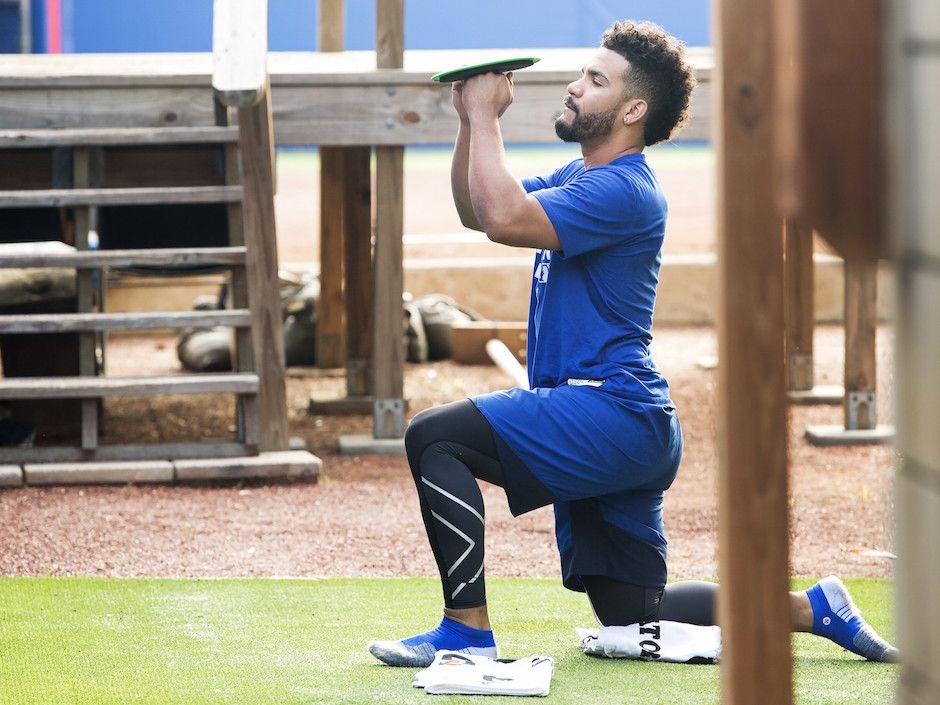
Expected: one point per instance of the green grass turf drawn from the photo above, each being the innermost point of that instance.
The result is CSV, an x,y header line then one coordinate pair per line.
x,y
93,640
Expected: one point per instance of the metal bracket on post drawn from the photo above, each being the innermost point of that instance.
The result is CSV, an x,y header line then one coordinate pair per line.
x,y
862,410
389,418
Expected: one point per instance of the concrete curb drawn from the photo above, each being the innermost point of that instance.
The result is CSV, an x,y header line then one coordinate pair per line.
x,y
138,471
11,476
282,464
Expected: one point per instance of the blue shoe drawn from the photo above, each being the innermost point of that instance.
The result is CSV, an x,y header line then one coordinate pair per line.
x,y
418,651
836,617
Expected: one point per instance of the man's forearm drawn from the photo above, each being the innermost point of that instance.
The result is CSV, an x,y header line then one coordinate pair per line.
x,y
494,191
459,178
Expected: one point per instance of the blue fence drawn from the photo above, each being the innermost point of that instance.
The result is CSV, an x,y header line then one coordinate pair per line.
x,y
186,25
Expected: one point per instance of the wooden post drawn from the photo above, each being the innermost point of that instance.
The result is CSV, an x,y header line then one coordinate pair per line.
x,y
861,327
799,306
87,172
256,139
756,665
358,271
388,351
330,343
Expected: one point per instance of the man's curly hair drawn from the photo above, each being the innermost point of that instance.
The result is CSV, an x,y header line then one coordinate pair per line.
x,y
658,73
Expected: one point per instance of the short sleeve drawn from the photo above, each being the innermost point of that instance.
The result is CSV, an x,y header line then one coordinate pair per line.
x,y
595,210
537,183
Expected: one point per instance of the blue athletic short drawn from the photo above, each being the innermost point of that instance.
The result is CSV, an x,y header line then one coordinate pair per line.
x,y
604,460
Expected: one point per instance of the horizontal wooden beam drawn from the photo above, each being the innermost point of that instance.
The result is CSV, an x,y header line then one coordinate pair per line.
x,y
86,322
330,98
94,387
56,198
169,257
113,136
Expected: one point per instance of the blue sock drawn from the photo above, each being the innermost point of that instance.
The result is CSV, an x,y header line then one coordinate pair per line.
x,y
836,617
451,635
418,651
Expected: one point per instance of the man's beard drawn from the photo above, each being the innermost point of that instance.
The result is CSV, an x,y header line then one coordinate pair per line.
x,y
586,127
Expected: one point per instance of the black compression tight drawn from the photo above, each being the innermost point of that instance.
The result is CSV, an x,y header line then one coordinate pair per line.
x,y
451,447
617,604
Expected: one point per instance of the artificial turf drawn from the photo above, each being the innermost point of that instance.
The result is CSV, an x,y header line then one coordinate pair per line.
x,y
96,640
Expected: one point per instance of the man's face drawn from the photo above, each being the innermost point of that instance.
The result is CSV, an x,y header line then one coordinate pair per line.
x,y
594,101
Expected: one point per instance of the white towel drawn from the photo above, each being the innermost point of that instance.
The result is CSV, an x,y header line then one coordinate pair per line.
x,y
654,641
455,673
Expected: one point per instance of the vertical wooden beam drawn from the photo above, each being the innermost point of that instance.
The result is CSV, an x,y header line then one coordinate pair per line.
x,y
331,27
87,166
799,306
861,327
256,139
390,34
756,664
330,343
357,239
388,351
247,405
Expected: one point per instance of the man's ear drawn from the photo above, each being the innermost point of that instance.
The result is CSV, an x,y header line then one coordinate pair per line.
x,y
635,110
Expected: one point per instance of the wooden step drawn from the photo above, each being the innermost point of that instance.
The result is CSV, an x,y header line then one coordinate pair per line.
x,y
95,259
86,322
95,387
56,198
110,136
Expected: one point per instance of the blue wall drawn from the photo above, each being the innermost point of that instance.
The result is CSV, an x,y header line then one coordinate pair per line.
x,y
186,25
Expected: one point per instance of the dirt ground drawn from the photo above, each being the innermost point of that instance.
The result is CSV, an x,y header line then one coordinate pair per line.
x,y
362,519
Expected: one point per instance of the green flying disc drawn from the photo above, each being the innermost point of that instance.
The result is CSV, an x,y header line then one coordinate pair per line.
x,y
499,66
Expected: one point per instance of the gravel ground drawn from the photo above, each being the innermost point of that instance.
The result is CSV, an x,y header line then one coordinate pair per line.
x,y
361,518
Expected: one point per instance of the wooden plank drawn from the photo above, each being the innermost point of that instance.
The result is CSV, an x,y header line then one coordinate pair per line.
x,y
57,198
239,50
330,335
799,304
835,173
861,327
388,352
261,267
126,258
110,71
75,137
92,387
148,451
247,420
390,34
754,609
85,106
87,172
357,270
84,322
330,28
319,98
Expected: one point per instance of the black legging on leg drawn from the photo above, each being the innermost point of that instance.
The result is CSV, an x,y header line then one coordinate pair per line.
x,y
618,604
450,447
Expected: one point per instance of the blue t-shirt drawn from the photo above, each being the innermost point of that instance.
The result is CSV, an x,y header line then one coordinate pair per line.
x,y
597,425
591,308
